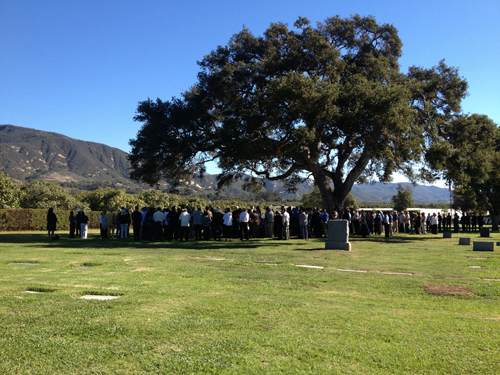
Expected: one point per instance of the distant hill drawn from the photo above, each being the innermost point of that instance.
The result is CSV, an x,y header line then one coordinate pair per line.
x,y
379,192
27,154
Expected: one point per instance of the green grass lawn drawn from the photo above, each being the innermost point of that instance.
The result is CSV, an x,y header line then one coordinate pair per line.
x,y
181,311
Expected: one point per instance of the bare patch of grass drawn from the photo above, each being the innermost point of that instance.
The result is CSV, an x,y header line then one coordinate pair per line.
x,y
448,290
143,269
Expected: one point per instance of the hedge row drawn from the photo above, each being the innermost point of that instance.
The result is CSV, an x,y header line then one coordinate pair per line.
x,y
36,219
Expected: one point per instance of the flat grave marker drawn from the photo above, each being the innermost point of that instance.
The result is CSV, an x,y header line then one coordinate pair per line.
x,y
25,264
306,266
268,263
100,298
344,270
397,273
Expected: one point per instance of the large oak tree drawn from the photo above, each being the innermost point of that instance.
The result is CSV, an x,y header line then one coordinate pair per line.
x,y
327,102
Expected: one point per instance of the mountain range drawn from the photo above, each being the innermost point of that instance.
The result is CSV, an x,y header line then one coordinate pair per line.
x,y
27,154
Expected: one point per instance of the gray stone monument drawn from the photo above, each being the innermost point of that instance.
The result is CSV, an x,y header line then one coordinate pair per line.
x,y
447,235
338,235
485,232
464,241
483,246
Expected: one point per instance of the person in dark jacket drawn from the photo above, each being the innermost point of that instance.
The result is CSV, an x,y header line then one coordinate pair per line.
x,y
84,225
78,223
136,223
217,221
206,223
51,222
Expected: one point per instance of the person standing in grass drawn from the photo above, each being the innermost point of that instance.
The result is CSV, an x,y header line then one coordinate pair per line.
x,y
125,222
243,220
387,224
206,223
480,221
473,220
111,223
198,223
104,224
449,220
324,223
228,225
78,223
303,233
285,218
51,222
364,224
456,223
158,219
84,225
270,222
434,223
278,224
136,223
423,224
184,220
217,220
416,223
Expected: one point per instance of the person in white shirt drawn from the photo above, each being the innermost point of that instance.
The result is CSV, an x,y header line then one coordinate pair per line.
x,y
244,217
285,217
184,219
158,223
423,224
434,223
227,222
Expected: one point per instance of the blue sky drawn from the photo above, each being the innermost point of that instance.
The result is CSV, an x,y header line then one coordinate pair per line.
x,y
79,68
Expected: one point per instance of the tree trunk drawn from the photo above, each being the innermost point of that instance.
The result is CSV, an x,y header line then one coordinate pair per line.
x,y
332,200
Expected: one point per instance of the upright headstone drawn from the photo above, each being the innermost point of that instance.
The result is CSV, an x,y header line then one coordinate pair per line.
x,y
483,246
485,232
447,235
338,235
464,241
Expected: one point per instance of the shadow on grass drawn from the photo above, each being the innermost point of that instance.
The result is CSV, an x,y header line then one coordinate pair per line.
x,y
95,242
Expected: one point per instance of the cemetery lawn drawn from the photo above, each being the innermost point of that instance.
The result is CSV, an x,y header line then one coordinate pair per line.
x,y
422,306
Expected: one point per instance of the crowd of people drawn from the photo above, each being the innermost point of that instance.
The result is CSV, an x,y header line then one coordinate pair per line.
x,y
182,224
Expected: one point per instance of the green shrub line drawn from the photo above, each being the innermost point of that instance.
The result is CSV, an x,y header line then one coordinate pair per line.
x,y
21,219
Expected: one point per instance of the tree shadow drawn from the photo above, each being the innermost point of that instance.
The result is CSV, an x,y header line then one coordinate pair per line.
x,y
94,241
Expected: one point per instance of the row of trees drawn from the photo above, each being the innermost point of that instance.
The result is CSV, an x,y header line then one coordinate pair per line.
x,y
45,194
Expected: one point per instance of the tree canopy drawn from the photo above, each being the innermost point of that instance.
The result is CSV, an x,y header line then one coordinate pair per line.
x,y
403,198
327,102
9,192
468,154
45,194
